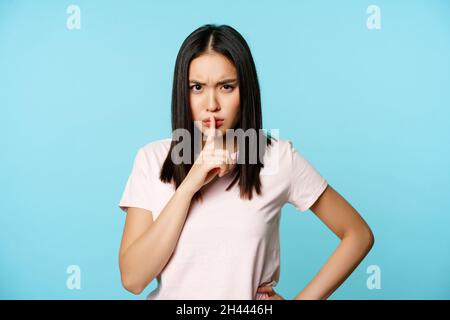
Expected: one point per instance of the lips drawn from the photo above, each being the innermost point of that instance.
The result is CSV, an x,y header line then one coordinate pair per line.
x,y
218,121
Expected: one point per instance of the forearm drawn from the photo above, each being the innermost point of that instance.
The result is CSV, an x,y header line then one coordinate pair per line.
x,y
144,259
347,256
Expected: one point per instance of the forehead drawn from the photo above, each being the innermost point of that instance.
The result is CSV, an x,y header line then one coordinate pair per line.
x,y
211,66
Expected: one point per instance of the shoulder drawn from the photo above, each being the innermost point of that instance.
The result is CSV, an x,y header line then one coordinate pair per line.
x,y
277,157
157,147
280,148
152,154
285,153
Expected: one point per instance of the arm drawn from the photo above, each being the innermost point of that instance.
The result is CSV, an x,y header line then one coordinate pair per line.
x,y
356,241
147,245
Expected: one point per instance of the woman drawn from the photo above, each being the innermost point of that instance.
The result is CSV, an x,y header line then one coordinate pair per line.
x,y
207,227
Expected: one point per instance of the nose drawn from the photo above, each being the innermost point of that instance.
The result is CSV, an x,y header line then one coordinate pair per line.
x,y
212,103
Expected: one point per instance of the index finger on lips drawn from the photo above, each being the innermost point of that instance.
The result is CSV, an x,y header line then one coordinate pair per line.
x,y
210,133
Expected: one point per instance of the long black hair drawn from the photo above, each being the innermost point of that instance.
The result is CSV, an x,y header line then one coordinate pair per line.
x,y
224,40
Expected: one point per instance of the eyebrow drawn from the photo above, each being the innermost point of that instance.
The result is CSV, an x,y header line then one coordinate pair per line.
x,y
230,80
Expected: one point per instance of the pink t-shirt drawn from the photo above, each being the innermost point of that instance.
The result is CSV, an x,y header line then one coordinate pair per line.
x,y
228,246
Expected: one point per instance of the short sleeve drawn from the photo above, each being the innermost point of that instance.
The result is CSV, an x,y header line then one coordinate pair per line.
x,y
138,189
306,183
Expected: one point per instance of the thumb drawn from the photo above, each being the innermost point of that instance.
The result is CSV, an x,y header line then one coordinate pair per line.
x,y
265,289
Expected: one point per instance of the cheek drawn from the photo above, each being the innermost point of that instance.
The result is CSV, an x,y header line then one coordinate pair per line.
x,y
194,101
233,104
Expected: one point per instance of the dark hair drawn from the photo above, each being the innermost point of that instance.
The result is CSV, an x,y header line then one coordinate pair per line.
x,y
227,41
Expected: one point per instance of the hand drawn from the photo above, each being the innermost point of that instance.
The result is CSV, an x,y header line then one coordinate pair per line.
x,y
209,163
272,295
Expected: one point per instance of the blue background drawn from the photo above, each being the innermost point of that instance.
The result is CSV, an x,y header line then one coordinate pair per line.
x,y
370,109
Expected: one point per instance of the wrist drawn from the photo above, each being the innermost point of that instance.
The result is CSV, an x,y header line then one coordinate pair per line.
x,y
186,190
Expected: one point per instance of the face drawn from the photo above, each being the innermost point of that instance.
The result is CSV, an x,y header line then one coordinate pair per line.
x,y
214,90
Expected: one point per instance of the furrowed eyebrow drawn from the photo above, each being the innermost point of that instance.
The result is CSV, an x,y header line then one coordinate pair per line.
x,y
225,81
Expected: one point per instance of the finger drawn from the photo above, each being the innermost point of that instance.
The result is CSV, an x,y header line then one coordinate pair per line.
x,y
212,125
223,170
212,154
230,164
221,166
211,174
216,159
211,132
234,156
228,157
219,158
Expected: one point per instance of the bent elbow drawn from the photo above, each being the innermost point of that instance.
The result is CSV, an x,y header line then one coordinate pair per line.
x,y
369,238
131,285
362,237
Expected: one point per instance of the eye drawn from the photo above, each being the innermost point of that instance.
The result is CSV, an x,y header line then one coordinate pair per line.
x,y
196,87
228,87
